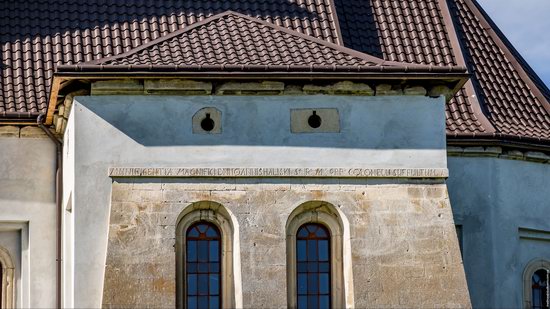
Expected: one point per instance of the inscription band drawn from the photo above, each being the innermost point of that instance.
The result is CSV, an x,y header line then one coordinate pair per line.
x,y
262,172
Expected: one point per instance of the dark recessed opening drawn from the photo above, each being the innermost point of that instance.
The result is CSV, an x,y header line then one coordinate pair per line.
x,y
207,124
314,120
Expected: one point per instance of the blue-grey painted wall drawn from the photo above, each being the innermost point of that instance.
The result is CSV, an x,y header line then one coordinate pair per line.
x,y
492,198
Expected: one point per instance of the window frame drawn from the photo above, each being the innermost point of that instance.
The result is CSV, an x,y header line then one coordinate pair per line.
x,y
207,212
328,239
218,238
528,273
320,213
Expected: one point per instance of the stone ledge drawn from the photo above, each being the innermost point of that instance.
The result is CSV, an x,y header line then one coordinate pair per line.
x,y
22,132
238,172
9,131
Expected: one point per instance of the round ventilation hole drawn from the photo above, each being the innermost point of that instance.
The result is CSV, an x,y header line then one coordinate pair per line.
x,y
314,120
207,124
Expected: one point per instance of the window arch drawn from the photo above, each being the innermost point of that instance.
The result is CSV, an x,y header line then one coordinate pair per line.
x,y
312,217
6,275
207,267
536,288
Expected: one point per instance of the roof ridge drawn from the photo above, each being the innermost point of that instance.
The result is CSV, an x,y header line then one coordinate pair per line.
x,y
458,51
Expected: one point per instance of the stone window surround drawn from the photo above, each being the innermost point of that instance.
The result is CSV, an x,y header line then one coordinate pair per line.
x,y
530,269
230,268
7,283
341,269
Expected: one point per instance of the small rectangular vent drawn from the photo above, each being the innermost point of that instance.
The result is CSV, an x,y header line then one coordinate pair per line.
x,y
532,234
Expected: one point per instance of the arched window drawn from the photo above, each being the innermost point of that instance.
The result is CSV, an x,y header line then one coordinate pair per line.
x,y
319,270
313,266
540,289
207,268
203,266
536,288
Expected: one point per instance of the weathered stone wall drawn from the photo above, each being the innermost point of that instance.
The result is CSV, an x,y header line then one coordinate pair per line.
x,y
403,243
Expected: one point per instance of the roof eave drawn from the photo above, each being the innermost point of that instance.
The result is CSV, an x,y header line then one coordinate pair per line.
x,y
498,139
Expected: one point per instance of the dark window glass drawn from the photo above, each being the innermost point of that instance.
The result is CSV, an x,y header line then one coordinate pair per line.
x,y
541,290
313,266
203,269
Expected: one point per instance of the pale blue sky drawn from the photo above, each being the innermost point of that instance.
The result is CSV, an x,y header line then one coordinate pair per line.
x,y
526,23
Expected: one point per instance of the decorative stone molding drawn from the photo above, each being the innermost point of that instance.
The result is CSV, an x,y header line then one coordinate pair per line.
x,y
64,107
119,86
530,269
251,88
177,87
7,283
387,89
269,172
441,90
340,88
22,132
9,131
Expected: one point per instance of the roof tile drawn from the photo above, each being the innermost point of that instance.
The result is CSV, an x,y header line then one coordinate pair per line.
x,y
235,39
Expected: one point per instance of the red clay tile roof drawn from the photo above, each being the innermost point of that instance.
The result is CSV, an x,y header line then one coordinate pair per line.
x,y
38,35
409,31
513,103
232,41
505,96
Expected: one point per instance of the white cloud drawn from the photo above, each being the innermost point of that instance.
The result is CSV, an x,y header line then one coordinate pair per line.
x,y
526,23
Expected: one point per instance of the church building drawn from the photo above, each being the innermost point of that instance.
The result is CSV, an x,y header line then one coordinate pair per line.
x,y
269,154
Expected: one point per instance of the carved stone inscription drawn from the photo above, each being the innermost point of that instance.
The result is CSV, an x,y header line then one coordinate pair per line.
x,y
232,172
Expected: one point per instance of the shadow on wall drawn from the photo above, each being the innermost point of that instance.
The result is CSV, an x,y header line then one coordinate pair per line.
x,y
386,123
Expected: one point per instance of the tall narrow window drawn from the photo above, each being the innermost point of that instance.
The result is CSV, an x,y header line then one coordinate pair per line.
x,y
313,266
541,290
203,266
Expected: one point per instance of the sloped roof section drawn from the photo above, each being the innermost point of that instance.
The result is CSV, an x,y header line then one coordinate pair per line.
x,y
414,31
514,103
506,98
36,35
231,38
